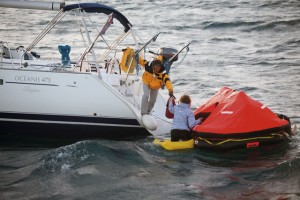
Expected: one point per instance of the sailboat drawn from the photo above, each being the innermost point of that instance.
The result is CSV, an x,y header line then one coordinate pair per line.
x,y
96,94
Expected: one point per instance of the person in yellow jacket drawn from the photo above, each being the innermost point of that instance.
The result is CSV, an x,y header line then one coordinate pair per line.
x,y
153,80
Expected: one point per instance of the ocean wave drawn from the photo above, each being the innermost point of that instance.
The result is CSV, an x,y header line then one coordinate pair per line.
x,y
232,24
280,25
248,26
219,39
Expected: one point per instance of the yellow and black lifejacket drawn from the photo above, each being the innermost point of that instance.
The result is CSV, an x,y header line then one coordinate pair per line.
x,y
156,80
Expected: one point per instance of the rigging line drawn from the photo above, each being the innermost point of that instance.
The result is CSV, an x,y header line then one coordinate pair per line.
x,y
134,38
80,29
163,119
104,28
119,39
98,30
96,27
93,23
50,25
134,35
140,38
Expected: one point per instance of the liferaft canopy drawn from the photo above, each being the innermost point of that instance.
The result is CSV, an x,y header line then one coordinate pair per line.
x,y
233,112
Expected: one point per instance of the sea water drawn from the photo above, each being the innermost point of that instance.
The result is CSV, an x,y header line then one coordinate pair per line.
x,y
246,45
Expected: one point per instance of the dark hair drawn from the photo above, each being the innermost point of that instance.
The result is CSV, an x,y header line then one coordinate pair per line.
x,y
185,99
156,62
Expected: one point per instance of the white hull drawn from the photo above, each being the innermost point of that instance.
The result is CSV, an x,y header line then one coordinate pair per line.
x,y
74,99
71,94
48,99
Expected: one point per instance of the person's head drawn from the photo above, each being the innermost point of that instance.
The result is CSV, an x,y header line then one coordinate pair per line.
x,y
185,99
157,66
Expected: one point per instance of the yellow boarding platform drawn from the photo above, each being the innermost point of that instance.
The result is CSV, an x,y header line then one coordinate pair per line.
x,y
169,145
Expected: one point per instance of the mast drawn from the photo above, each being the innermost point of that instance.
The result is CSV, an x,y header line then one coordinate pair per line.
x,y
32,5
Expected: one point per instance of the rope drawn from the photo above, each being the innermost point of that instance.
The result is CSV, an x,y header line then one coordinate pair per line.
x,y
238,140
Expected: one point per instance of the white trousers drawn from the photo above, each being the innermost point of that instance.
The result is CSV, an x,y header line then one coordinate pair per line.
x,y
148,99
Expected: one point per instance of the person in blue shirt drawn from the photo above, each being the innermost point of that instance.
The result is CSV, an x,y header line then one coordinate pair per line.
x,y
184,119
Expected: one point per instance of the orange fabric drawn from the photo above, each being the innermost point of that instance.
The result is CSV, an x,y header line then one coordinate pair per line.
x,y
235,112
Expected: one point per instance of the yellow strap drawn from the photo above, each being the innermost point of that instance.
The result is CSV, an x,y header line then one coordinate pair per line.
x,y
238,140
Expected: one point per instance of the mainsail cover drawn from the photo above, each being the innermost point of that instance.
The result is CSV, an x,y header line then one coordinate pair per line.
x,y
233,112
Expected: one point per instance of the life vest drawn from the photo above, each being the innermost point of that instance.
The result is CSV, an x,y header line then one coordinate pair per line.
x,y
156,80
